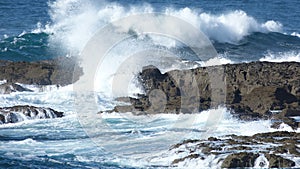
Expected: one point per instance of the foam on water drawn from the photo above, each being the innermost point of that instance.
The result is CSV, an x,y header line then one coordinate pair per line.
x,y
296,34
3,82
219,60
291,56
58,98
261,162
137,130
74,22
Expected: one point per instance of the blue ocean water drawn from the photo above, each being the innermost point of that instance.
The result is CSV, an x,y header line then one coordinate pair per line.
x,y
33,30
21,39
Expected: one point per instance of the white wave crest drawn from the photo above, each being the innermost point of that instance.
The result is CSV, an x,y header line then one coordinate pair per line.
x,y
291,56
73,22
296,34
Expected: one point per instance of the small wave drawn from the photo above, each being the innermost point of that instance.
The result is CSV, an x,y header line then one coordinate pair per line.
x,y
28,141
25,47
291,56
220,60
296,34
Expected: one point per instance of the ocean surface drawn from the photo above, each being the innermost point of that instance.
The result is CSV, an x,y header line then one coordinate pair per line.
x,y
31,30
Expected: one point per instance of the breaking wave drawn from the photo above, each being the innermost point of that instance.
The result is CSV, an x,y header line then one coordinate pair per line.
x,y
74,22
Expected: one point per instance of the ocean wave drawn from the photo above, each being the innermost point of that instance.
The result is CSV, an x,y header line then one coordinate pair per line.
x,y
291,56
74,22
296,34
26,47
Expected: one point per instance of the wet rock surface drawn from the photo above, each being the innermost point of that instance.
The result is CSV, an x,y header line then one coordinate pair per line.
x,y
20,113
252,91
234,151
276,161
8,88
243,159
60,71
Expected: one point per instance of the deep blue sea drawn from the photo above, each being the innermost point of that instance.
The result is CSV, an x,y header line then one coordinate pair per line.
x,y
31,30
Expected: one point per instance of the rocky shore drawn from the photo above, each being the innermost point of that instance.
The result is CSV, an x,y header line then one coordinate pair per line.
x,y
60,72
20,113
252,91
263,150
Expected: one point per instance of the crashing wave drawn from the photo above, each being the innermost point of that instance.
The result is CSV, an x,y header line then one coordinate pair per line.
x,y
75,22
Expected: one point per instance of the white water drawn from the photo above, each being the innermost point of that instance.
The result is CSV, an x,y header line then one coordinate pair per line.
x,y
291,56
147,136
74,22
261,162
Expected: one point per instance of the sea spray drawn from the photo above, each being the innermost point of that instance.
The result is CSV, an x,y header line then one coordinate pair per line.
x,y
75,22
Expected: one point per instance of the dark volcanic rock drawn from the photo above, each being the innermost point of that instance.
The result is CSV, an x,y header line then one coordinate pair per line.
x,y
191,156
279,162
2,119
241,151
61,71
251,90
237,160
20,113
244,159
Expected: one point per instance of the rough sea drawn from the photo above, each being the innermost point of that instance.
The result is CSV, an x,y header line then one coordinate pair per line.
x,y
32,30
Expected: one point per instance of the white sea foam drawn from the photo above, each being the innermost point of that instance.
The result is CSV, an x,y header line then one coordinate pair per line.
x,y
46,88
219,60
3,82
291,56
74,22
28,141
296,34
60,99
261,162
171,127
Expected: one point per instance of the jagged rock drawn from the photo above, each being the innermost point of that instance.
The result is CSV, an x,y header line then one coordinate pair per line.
x,y
60,71
8,88
245,159
237,160
279,162
20,113
251,90
291,112
183,143
191,156
236,149
2,119
286,116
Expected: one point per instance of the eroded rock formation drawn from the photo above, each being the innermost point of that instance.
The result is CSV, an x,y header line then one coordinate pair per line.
x,y
251,90
242,151
20,113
